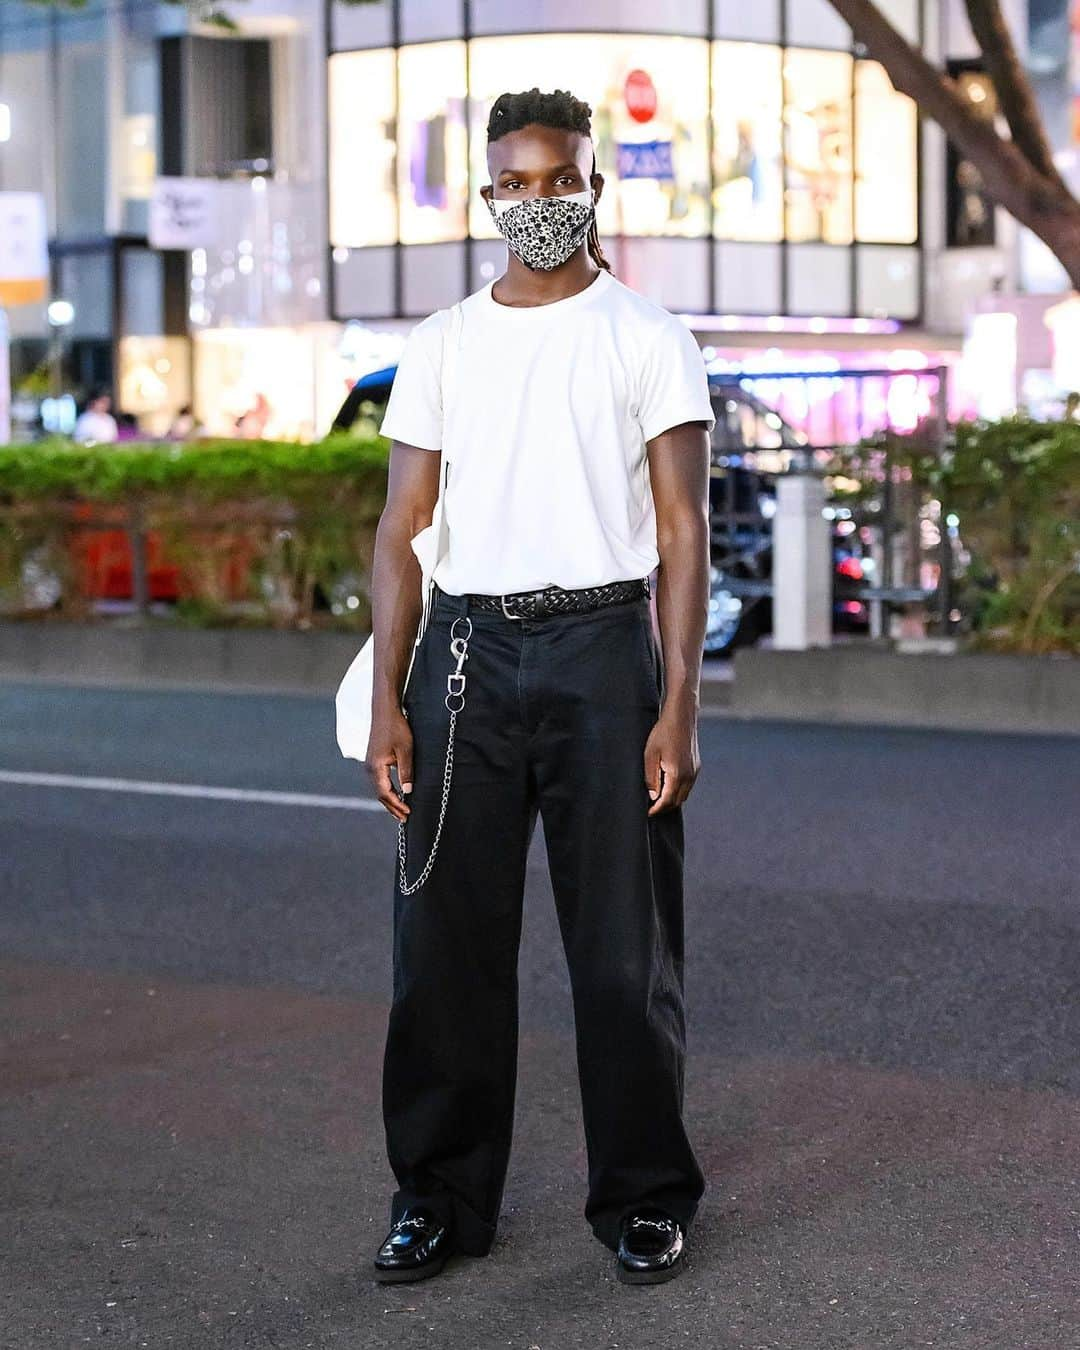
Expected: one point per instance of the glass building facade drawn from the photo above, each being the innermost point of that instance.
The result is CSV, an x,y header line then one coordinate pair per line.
x,y
81,103
756,163
761,174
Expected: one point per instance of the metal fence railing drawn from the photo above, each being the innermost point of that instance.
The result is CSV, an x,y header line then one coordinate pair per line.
x,y
894,547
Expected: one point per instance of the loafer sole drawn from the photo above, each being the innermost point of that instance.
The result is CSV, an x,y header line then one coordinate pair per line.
x,y
410,1274
627,1276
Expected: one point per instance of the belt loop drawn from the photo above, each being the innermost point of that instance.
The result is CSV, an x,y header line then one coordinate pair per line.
x,y
458,604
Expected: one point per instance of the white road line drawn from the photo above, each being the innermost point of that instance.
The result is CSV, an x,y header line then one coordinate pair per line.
x,y
227,794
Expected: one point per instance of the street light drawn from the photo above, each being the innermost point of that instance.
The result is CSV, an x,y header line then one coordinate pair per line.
x,y
60,313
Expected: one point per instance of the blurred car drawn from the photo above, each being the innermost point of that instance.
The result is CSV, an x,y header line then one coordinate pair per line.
x,y
373,387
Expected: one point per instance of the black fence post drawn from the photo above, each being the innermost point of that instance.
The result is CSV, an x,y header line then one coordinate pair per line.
x,y
945,579
945,555
887,542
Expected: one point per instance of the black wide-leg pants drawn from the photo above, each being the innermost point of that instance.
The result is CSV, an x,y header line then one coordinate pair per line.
x,y
557,712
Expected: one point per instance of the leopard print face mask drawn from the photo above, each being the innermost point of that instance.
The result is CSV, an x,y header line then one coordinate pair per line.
x,y
544,231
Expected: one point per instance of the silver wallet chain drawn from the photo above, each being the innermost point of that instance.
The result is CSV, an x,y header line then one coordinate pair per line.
x,y
455,702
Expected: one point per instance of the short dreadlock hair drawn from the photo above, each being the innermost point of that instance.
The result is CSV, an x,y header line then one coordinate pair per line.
x,y
560,110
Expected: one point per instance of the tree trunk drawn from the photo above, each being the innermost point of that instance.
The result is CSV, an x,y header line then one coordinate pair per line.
x,y
1041,203
1060,232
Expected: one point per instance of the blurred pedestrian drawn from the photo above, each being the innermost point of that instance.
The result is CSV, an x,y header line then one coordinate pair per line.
x,y
184,425
96,423
251,425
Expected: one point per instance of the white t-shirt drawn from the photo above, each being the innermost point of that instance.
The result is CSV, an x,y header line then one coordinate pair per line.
x,y
550,410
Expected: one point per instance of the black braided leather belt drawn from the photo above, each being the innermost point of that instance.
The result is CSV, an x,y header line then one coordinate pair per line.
x,y
552,600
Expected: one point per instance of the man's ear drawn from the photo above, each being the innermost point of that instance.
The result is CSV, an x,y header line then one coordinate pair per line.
x,y
596,182
486,192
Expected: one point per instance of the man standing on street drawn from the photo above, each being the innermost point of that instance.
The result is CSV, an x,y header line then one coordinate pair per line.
x,y
577,440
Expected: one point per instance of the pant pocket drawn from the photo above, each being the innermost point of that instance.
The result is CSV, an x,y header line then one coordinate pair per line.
x,y
652,659
419,678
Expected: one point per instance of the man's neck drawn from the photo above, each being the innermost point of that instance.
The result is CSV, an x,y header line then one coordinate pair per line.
x,y
521,286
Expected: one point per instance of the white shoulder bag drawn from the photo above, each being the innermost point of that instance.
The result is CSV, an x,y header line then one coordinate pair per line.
x,y
353,699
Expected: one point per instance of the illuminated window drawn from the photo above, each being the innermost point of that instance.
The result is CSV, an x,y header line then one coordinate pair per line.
x,y
886,194
649,97
432,172
970,216
808,144
747,119
817,146
363,201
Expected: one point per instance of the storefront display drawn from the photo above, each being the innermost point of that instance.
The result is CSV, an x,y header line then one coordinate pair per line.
x,y
751,144
747,112
817,146
154,380
363,149
649,97
886,160
808,145
969,219
281,383
432,164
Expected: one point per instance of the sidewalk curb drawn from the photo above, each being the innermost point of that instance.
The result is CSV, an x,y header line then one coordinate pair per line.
x,y
247,660
970,691
994,692
226,660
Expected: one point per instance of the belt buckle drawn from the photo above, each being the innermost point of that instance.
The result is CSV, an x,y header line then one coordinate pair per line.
x,y
531,601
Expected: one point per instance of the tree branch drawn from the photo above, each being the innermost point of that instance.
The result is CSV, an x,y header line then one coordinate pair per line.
x,y
1009,176
1015,95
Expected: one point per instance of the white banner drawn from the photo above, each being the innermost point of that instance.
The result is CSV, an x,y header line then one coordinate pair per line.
x,y
185,213
5,382
24,252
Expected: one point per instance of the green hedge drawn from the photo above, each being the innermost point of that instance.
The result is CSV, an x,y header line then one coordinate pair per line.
x,y
306,515
303,515
212,469
1014,484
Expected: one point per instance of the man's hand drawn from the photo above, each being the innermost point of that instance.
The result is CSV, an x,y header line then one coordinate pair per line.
x,y
396,605
679,474
672,748
390,745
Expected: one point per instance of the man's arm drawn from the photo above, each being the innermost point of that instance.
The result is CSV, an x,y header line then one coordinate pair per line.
x,y
679,474
396,601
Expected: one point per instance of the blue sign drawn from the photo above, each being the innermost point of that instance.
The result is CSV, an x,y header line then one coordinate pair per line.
x,y
645,159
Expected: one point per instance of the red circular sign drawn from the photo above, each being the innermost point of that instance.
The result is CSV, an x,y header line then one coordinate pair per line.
x,y
640,94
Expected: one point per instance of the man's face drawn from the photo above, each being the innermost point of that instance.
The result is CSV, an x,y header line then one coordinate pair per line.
x,y
540,162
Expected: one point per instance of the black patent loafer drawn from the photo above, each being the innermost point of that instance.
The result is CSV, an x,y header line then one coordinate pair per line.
x,y
650,1247
415,1248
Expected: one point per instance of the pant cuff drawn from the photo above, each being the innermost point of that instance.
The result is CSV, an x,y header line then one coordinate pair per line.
x,y
605,1223
473,1235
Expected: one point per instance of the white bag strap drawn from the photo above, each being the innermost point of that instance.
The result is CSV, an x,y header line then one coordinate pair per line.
x,y
450,344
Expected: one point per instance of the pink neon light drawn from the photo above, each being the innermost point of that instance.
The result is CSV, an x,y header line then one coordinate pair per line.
x,y
786,323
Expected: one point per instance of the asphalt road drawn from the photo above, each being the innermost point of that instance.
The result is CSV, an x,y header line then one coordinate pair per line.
x,y
884,1000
